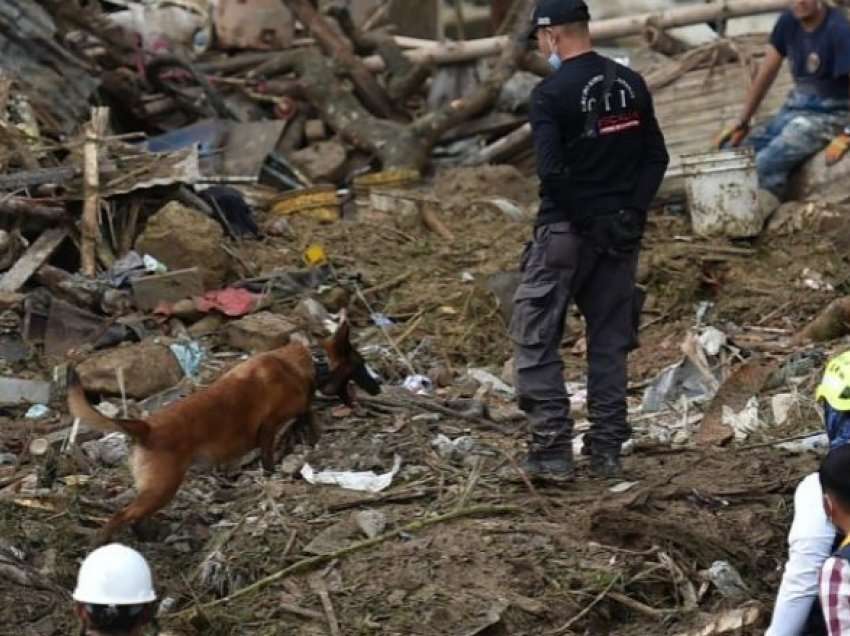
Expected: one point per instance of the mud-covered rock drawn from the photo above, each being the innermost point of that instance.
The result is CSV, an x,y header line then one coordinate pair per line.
x,y
182,238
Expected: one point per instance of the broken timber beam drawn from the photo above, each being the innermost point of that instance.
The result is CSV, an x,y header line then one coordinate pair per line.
x,y
33,258
452,52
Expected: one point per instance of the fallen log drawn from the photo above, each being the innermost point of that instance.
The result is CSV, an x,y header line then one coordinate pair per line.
x,y
403,78
397,145
832,323
601,30
368,89
20,206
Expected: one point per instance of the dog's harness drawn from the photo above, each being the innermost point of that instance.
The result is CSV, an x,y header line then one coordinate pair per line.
x,y
321,365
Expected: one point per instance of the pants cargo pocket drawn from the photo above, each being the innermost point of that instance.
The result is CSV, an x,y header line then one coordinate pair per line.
x,y
562,247
532,316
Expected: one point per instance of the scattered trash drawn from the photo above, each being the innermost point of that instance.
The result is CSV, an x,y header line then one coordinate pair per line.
x,y
381,320
781,405
190,355
727,580
152,265
745,422
418,384
623,487
37,412
712,340
681,380
453,450
362,481
810,279
486,378
818,443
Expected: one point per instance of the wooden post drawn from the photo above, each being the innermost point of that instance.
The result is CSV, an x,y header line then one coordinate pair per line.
x,y
90,229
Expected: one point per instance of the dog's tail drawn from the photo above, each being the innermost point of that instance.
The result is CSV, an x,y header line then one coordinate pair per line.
x,y
80,408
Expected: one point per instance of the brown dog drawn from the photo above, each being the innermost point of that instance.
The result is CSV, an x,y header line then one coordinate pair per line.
x,y
244,409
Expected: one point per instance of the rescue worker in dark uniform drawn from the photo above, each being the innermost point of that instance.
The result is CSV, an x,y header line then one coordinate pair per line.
x,y
601,158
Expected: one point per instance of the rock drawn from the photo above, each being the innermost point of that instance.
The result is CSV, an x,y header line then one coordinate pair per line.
x,y
323,161
441,376
334,537
260,332
171,287
371,522
315,130
148,368
15,391
291,465
206,325
182,238
110,450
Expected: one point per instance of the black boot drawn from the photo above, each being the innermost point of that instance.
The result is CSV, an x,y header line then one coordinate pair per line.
x,y
606,465
549,466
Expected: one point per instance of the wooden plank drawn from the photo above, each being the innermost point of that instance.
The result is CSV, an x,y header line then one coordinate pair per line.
x,y
33,258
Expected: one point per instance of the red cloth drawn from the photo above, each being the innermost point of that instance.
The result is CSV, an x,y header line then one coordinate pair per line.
x,y
231,301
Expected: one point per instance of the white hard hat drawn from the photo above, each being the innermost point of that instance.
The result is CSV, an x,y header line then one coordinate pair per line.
x,y
114,575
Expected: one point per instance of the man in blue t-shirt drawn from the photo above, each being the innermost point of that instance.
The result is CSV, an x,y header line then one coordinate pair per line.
x,y
816,40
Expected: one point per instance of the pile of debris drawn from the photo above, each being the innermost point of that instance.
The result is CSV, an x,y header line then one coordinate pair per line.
x,y
254,168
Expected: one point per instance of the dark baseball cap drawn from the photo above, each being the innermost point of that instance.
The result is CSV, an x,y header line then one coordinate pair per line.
x,y
553,12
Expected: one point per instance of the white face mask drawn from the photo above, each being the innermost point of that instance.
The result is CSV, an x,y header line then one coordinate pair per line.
x,y
554,58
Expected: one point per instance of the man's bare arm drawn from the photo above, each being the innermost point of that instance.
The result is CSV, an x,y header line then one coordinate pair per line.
x,y
767,73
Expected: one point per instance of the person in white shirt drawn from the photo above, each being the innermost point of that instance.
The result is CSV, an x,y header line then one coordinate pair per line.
x,y
812,538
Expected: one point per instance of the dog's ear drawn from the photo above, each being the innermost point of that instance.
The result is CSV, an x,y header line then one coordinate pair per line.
x,y
342,337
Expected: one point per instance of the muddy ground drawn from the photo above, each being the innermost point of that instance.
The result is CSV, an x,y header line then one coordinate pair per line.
x,y
514,559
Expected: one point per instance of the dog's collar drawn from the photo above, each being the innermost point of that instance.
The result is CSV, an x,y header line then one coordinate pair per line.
x,y
321,365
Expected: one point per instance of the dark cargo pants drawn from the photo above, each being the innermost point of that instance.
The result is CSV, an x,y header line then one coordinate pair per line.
x,y
559,267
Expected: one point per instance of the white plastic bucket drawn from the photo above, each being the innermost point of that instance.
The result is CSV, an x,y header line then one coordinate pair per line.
x,y
722,192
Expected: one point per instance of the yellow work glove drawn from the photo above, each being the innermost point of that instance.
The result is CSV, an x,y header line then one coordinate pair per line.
x,y
837,149
733,136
